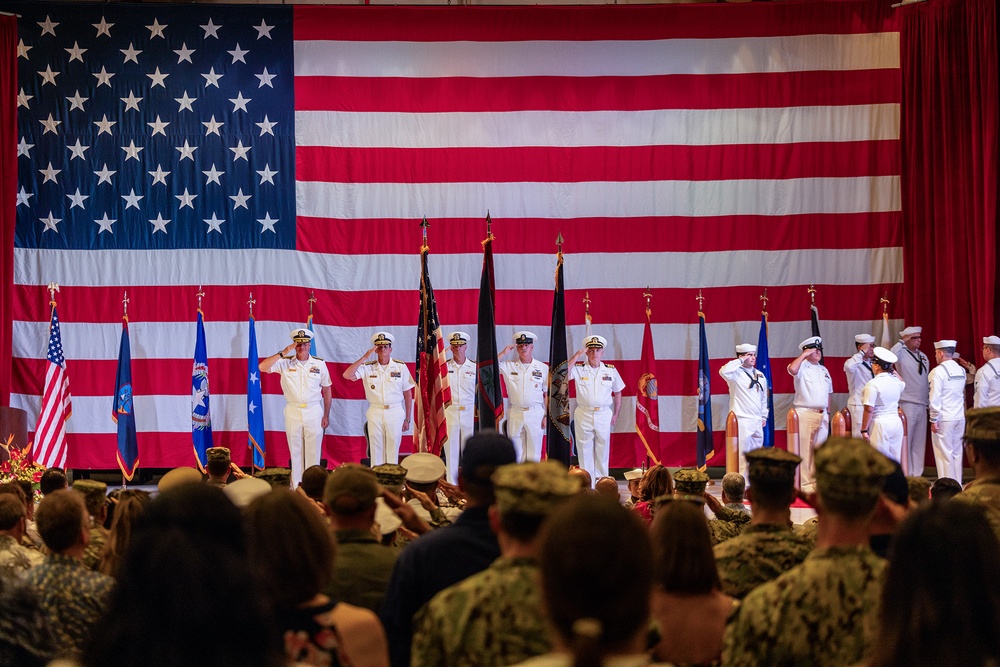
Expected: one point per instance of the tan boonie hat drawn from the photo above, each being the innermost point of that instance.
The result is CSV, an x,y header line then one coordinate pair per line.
x,y
390,474
771,465
850,470
350,488
95,494
982,425
533,488
690,482
218,454
278,478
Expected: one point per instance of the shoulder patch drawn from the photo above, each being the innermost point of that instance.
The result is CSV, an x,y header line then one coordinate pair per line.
x,y
579,363
609,365
318,358
369,363
399,362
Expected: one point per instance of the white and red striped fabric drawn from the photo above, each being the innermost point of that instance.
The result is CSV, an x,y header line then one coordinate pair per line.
x,y
724,149
49,448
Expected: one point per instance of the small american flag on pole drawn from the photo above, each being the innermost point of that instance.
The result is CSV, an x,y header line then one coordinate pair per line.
x,y
57,406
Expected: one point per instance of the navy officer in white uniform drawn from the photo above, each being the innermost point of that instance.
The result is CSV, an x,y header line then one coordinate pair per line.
x,y
460,415
859,372
747,399
306,384
527,382
598,402
389,390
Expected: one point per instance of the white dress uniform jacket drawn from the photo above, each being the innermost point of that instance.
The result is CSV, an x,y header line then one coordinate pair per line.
x,y
302,384
595,387
748,401
914,369
988,385
885,432
813,386
526,385
460,415
384,388
947,411
859,373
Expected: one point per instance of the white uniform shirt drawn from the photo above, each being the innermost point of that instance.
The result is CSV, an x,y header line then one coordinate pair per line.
x,y
909,369
859,373
302,381
813,386
988,385
595,386
947,392
384,385
882,394
463,383
747,389
526,383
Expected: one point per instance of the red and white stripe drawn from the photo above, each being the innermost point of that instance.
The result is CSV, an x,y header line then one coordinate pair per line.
x,y
722,148
49,448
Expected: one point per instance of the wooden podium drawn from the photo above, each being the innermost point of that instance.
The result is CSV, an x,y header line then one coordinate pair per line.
x,y
14,425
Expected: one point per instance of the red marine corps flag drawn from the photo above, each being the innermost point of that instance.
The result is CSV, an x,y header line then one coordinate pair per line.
x,y
433,389
647,421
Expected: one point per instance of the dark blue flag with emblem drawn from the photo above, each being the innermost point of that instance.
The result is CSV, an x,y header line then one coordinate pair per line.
x,y
814,316
201,413
123,411
705,447
255,404
764,366
489,400
558,436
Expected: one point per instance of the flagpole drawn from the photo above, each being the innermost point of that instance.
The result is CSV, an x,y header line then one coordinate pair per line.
x,y
125,301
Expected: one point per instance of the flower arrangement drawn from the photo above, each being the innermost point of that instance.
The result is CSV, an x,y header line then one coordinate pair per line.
x,y
20,466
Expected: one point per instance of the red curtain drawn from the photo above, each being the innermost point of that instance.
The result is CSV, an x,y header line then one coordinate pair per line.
x,y
949,171
8,188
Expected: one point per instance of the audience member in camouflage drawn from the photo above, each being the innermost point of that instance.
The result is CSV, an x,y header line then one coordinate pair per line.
x,y
15,559
495,617
72,597
218,466
689,484
824,611
982,447
95,495
767,547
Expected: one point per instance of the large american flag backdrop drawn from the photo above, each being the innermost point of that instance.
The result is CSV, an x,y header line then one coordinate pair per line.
x,y
721,150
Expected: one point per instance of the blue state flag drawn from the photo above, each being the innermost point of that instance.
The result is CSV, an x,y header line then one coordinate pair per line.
x,y
764,366
123,412
706,447
201,413
255,403
312,342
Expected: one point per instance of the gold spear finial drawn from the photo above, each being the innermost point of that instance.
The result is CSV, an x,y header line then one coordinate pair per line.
x,y
764,300
885,303
812,294
53,288
701,301
251,301
201,293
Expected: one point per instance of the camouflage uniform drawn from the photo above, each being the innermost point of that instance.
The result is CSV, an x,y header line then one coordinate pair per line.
x,y
495,617
984,492
16,559
95,496
760,554
72,598
823,612
92,553
729,523
982,430
491,618
689,484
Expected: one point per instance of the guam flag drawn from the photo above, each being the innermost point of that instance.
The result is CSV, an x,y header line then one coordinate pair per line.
x,y
201,413
255,403
764,366
123,412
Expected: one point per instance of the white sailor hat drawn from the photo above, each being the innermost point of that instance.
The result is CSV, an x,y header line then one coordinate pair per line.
x,y
382,338
862,339
459,338
635,473
910,331
885,356
386,519
302,335
423,468
746,348
595,341
991,340
811,342
939,344
524,338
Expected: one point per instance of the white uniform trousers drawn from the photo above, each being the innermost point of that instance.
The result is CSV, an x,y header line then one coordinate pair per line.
x,y
886,435
385,431
947,444
916,435
304,429
524,428
813,428
593,439
459,430
857,411
751,434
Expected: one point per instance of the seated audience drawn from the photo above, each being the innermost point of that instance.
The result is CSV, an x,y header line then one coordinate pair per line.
x,y
941,601
292,551
72,597
633,478
15,558
129,505
95,496
733,490
655,483
53,479
363,566
186,594
495,617
313,481
608,486
920,490
944,488
218,466
595,592
982,448
690,484
688,604
586,482
25,639
767,547
822,612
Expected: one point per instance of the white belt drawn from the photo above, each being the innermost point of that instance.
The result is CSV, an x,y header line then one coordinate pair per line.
x,y
386,407
587,408
887,413
800,407
303,405
530,407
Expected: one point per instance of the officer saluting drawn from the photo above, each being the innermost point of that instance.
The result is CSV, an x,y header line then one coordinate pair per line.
x,y
527,382
389,390
598,401
460,414
305,382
